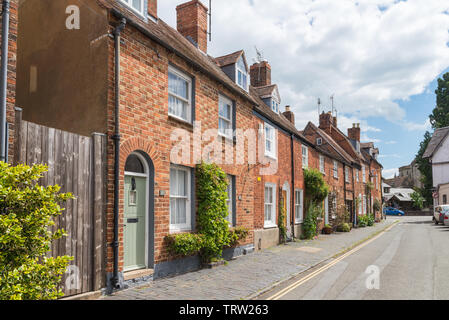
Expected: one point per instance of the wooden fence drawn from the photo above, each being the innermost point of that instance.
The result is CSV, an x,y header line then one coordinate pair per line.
x,y
77,164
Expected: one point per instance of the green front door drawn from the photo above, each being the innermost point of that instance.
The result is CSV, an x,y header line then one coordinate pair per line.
x,y
135,222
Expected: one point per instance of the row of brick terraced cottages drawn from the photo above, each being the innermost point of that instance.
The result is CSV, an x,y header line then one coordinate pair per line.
x,y
171,91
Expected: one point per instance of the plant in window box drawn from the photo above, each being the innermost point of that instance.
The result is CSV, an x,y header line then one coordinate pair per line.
x,y
237,235
327,229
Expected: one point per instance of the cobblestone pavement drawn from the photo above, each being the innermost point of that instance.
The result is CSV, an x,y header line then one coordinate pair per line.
x,y
250,274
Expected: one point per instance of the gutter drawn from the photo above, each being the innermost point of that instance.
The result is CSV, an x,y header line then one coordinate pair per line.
x,y
4,78
116,138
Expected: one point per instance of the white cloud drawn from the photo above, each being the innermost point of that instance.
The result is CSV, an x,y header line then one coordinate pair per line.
x,y
394,155
389,173
412,126
368,53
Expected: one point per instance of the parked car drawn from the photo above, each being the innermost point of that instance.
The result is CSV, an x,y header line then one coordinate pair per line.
x,y
441,215
390,211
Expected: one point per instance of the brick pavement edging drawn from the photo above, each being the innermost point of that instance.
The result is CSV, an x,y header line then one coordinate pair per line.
x,y
340,253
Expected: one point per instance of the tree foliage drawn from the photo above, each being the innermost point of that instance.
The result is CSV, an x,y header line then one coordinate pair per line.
x,y
417,200
316,188
438,119
27,211
425,168
440,114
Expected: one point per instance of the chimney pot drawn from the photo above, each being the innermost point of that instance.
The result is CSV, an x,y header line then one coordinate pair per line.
x,y
354,132
289,114
260,74
192,22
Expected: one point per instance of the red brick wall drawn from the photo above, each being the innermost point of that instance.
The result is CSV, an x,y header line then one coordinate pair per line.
x,y
11,86
281,176
146,126
192,21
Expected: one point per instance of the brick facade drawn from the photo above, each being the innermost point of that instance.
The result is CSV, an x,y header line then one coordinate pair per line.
x,y
11,86
146,126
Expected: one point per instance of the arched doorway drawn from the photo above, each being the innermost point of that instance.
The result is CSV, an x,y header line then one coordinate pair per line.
x,y
138,231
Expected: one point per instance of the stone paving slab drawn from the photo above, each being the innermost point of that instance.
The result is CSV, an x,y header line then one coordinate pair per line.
x,y
250,274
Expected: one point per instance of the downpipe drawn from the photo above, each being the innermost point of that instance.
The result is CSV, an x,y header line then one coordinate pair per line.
x,y
116,137
4,77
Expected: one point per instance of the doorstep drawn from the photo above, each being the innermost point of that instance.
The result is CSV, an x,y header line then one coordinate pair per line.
x,y
135,274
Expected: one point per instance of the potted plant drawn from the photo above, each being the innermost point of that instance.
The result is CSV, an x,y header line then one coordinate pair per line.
x,y
327,229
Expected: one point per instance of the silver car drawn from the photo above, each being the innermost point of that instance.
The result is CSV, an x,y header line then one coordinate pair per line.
x,y
441,214
445,210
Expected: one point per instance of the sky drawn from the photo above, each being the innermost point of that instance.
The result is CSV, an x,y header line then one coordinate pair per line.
x,y
380,59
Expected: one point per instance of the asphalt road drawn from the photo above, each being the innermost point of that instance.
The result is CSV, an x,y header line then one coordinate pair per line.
x,y
409,261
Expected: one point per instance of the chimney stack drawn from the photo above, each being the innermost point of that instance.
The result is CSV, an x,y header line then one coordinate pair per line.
x,y
152,8
260,74
289,114
354,132
326,121
192,22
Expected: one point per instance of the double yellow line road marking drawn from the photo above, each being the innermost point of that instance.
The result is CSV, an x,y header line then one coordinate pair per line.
x,y
312,275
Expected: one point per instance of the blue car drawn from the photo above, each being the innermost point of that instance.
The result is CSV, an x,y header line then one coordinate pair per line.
x,y
390,211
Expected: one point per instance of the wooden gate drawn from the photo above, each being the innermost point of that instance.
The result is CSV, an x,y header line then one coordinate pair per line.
x,y
77,164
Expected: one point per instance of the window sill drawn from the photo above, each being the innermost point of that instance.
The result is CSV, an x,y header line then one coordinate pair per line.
x,y
270,226
229,138
181,120
299,222
272,157
180,230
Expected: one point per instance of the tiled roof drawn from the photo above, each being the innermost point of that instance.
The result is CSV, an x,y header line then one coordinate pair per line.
x,y
434,143
332,148
367,145
266,91
228,59
173,41
278,119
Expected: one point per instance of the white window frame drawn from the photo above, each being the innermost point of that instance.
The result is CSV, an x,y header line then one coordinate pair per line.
x,y
243,72
275,105
299,207
230,201
363,174
357,175
229,132
188,225
273,152
128,3
270,223
188,79
322,164
347,174
335,169
305,156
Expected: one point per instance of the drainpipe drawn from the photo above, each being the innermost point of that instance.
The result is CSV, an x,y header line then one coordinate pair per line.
x,y
4,78
116,138
344,184
293,194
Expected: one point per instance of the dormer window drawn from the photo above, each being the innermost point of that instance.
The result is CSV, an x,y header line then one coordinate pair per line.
x,y
242,74
136,5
